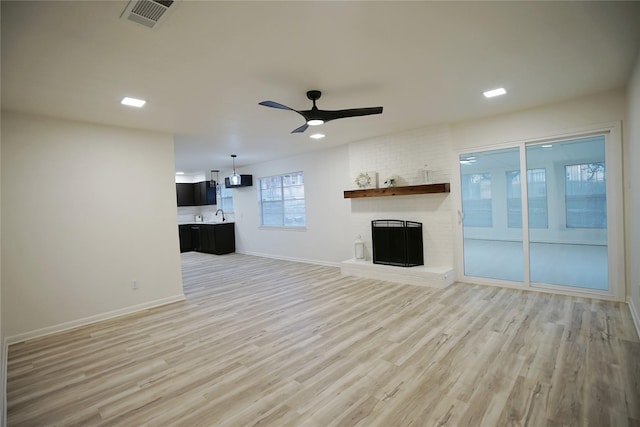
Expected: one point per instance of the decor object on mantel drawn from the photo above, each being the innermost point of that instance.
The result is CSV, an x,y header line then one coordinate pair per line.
x,y
391,181
427,175
367,180
399,191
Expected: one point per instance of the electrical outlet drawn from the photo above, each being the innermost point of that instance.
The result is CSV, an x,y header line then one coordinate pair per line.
x,y
134,285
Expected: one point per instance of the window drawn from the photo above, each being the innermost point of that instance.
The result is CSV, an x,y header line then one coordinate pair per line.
x,y
225,198
476,200
537,200
282,200
586,195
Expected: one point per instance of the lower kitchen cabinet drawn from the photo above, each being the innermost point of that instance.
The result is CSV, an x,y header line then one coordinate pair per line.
x,y
225,238
216,239
186,243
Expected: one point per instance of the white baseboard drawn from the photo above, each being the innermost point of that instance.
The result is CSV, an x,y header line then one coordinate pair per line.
x,y
91,319
286,258
432,277
635,315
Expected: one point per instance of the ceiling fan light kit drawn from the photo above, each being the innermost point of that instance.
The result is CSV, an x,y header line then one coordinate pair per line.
x,y
315,116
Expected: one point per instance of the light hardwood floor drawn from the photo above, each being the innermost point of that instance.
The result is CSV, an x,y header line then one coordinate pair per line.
x,y
262,342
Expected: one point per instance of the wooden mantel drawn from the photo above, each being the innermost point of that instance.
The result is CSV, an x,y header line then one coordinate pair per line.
x,y
398,191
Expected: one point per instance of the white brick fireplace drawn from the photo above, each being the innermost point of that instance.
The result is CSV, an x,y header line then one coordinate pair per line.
x,y
405,156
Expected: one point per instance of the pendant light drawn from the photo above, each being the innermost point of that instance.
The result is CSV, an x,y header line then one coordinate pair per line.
x,y
214,182
235,178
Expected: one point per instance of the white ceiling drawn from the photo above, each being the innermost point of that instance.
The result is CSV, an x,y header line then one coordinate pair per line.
x,y
206,67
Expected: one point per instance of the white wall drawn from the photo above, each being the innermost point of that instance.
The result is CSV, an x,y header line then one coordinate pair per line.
x,y
404,155
541,122
3,350
326,238
632,187
86,209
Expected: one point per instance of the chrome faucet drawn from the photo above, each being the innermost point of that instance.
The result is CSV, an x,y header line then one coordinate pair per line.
x,y
223,218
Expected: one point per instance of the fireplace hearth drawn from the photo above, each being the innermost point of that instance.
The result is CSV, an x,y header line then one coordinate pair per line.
x,y
397,242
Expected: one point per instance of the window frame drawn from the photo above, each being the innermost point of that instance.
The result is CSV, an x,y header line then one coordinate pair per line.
x,y
283,201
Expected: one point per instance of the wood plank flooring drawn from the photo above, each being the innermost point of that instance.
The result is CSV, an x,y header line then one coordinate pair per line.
x,y
262,342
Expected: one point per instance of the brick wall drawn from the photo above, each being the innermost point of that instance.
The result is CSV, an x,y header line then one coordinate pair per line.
x,y
404,155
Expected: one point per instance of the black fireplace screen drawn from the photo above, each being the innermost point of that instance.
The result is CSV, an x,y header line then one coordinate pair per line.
x,y
397,242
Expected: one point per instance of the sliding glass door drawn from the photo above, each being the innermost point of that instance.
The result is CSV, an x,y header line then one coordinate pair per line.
x,y
571,250
492,249
548,230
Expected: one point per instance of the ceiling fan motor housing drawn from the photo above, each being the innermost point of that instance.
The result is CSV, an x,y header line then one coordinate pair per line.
x,y
314,95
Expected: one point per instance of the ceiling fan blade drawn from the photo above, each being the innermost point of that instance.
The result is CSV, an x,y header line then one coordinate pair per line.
x,y
275,105
300,129
320,116
353,112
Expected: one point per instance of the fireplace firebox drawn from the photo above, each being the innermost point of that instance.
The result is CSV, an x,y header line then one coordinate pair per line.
x,y
397,242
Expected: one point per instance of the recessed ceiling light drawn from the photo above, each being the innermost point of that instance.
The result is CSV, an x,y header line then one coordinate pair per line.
x,y
133,102
317,136
179,173
494,92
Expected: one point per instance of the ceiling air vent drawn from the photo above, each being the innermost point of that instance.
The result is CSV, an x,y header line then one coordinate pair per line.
x,y
149,13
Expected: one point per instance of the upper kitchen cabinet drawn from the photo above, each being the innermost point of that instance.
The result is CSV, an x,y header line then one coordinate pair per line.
x,y
198,194
185,193
204,193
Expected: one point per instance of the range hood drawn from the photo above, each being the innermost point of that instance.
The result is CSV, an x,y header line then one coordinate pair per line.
x,y
237,180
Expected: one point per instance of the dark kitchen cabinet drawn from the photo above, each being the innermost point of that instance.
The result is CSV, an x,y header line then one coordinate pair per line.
x,y
185,194
204,193
225,236
207,239
186,244
216,239
198,194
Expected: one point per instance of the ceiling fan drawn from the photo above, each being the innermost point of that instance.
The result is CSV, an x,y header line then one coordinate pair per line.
x,y
314,116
